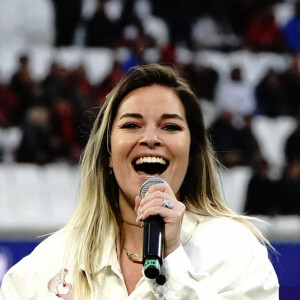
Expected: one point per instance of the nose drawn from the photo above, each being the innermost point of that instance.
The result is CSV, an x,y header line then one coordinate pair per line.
x,y
150,138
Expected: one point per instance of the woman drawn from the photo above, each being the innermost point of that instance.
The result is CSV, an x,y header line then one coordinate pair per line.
x,y
151,125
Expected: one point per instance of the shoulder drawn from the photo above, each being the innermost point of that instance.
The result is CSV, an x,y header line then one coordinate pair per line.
x,y
228,254
51,246
229,231
226,239
30,276
221,245
223,228
49,252
52,241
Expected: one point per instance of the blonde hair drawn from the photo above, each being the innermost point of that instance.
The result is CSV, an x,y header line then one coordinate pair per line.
x,y
97,215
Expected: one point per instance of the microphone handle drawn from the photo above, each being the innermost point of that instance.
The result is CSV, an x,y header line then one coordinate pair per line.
x,y
153,246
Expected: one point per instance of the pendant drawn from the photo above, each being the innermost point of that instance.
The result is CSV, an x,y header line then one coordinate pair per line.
x,y
135,257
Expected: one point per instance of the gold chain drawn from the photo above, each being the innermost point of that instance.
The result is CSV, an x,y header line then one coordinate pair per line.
x,y
135,257
141,225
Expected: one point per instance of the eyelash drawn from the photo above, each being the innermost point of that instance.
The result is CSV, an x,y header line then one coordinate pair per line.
x,y
171,127
129,125
167,127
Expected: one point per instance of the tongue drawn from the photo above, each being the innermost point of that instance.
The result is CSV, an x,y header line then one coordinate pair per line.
x,y
147,174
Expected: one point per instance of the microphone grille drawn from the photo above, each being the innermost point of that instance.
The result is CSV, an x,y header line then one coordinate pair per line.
x,y
145,186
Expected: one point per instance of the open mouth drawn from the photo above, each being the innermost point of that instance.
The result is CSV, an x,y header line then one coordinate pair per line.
x,y
150,165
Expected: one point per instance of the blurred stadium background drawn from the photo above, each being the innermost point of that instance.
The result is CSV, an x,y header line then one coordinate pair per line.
x,y
59,58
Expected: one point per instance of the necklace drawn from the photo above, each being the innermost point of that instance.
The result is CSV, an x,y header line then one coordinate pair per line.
x,y
141,225
135,257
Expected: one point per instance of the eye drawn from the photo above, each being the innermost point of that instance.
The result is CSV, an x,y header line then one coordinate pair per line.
x,y
129,125
171,127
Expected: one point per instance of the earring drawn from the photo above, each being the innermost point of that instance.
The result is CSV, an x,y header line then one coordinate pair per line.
x,y
110,167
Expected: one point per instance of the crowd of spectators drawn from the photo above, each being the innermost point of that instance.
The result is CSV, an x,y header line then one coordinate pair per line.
x,y
49,120
48,113
223,25
268,196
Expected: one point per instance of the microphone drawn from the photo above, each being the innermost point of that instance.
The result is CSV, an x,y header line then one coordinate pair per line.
x,y
153,243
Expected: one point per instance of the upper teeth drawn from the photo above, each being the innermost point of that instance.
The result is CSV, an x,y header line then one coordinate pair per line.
x,y
150,160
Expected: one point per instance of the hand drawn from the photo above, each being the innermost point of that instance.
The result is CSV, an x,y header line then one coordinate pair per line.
x,y
151,205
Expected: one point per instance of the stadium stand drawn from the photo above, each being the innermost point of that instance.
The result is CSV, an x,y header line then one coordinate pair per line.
x,y
38,197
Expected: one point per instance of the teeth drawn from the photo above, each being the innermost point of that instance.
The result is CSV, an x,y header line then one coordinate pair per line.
x,y
150,160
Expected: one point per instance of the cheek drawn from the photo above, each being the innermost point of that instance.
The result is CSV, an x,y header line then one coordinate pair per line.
x,y
184,162
183,157
184,150
119,149
181,169
116,145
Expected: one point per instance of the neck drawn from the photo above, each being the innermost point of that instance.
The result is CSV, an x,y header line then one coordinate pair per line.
x,y
131,231
136,224
127,213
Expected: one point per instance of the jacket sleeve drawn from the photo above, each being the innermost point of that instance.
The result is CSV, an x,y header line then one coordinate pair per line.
x,y
20,282
252,279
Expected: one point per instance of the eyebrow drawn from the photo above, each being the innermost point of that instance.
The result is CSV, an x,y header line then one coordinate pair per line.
x,y
131,115
139,116
172,116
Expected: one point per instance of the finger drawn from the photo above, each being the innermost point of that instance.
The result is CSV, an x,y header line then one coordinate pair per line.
x,y
155,201
164,212
159,195
161,211
162,187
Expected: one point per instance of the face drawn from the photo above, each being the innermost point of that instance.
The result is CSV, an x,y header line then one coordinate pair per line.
x,y
149,138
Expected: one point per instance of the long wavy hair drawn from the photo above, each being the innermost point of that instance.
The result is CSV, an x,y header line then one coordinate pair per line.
x,y
97,215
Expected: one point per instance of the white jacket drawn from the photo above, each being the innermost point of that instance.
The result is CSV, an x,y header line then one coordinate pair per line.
x,y
218,259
